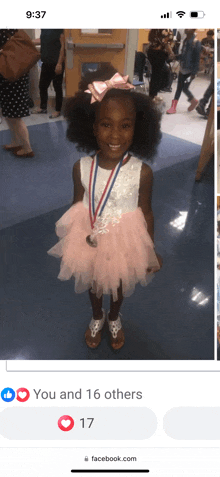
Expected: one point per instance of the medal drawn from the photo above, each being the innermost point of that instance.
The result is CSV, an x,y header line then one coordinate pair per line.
x,y
90,239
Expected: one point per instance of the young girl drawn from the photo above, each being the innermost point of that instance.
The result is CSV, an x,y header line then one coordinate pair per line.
x,y
106,237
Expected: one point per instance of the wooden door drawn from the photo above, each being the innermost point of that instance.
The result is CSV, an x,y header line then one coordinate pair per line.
x,y
86,49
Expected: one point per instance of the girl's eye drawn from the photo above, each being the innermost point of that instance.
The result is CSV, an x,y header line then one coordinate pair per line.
x,y
106,125
125,126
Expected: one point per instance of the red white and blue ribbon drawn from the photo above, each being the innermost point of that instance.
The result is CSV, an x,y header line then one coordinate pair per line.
x,y
93,213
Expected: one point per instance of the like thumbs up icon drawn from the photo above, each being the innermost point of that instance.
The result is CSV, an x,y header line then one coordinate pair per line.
x,y
8,394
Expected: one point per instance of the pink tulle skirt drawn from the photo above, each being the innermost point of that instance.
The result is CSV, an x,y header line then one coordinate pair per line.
x,y
122,255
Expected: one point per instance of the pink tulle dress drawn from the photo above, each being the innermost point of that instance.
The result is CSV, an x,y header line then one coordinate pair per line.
x,y
124,248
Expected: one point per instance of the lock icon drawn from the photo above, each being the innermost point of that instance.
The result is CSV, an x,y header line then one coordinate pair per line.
x,y
86,458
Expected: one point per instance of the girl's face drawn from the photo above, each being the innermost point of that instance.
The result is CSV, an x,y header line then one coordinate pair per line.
x,y
114,128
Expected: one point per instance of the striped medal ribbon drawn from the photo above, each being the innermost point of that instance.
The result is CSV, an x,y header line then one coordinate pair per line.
x,y
94,213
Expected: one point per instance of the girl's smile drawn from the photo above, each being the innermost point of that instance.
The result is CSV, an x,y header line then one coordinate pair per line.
x,y
114,129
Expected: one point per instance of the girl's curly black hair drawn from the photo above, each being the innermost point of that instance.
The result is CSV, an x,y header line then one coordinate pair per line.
x,y
81,115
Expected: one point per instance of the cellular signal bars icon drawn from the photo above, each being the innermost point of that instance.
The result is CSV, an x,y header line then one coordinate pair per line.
x,y
167,15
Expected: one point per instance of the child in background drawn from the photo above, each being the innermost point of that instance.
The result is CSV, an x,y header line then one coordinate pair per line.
x,y
189,66
106,237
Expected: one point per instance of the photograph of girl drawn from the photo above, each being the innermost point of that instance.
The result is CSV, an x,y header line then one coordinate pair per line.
x,y
108,246
125,290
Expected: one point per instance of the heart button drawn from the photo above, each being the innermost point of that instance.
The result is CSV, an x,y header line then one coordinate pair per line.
x,y
22,394
65,423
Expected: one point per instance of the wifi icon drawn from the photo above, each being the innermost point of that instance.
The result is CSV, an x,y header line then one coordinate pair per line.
x,y
180,13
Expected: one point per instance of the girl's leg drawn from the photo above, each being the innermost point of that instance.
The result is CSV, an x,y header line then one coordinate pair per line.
x,y
116,332
180,85
186,89
179,90
20,134
96,305
189,95
93,332
115,305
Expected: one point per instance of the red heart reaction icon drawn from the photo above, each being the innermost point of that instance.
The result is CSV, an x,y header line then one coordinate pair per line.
x,y
22,394
65,423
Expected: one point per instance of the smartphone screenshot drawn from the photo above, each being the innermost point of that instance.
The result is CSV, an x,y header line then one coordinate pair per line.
x,y
109,328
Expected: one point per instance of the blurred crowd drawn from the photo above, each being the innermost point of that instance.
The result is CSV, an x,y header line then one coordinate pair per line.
x,y
172,54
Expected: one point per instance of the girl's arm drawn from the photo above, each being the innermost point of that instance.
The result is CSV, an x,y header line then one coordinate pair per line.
x,y
78,187
144,202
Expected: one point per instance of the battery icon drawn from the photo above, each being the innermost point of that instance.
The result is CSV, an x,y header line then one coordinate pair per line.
x,y
198,14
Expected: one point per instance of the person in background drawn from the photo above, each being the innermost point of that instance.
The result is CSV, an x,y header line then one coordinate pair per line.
x,y
139,64
177,42
52,56
189,65
208,40
207,54
158,54
14,101
200,108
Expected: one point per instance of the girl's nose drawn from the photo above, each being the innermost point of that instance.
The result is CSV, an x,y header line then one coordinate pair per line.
x,y
115,132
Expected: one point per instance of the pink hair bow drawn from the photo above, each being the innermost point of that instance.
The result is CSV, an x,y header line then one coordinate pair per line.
x,y
98,89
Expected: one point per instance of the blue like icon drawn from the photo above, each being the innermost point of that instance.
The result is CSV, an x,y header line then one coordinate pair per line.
x,y
8,394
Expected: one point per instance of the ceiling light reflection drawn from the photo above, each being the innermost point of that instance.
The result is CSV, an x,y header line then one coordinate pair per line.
x,y
180,222
199,297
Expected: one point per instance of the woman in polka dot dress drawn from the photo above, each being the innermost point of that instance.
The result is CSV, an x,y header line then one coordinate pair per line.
x,y
14,101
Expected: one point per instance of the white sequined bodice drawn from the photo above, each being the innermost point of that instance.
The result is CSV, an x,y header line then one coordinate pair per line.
x,y
124,194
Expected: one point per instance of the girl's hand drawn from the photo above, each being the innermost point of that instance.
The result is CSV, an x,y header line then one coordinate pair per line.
x,y
156,269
